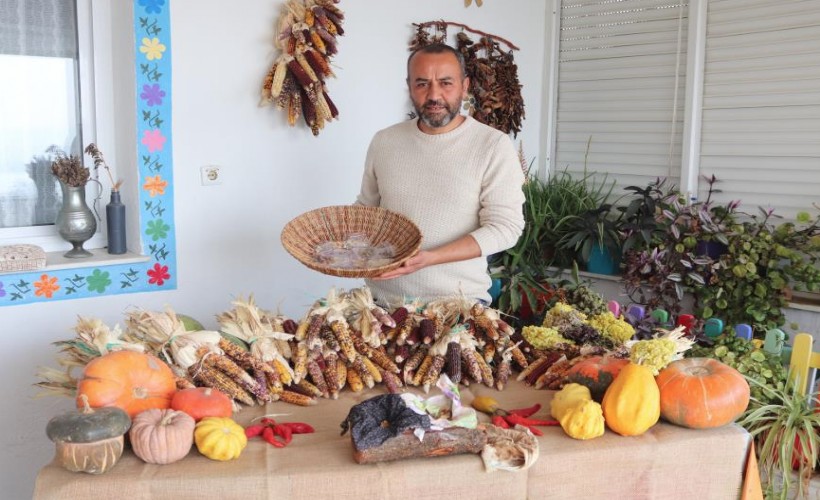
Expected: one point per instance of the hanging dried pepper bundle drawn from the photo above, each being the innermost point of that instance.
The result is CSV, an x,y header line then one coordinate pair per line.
x,y
307,35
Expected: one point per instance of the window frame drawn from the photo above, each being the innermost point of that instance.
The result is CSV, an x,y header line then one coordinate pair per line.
x,y
93,72
690,180
151,178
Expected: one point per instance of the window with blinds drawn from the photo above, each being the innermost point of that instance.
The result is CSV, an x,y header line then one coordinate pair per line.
x,y
621,89
40,106
760,131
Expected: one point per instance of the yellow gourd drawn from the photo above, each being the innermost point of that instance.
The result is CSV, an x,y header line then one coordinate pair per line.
x,y
568,397
632,403
583,420
220,438
578,414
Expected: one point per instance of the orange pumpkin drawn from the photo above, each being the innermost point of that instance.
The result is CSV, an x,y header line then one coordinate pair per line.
x,y
130,380
596,373
201,402
701,393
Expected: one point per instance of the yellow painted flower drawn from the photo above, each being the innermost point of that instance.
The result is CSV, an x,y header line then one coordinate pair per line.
x,y
152,48
155,185
46,286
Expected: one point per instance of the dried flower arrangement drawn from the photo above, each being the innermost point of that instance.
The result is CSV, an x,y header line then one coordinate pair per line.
x,y
296,82
68,169
494,87
99,161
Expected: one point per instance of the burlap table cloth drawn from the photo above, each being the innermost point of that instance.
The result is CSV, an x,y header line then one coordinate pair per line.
x,y
668,462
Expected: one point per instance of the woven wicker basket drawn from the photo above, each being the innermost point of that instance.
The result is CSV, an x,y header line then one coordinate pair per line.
x,y
302,235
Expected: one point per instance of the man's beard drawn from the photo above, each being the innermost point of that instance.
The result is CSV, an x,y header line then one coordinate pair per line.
x,y
437,120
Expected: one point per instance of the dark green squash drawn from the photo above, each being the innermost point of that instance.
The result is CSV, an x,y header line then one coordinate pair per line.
x,y
596,373
89,440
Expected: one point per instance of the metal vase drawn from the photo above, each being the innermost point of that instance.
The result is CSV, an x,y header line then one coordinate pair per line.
x,y
75,221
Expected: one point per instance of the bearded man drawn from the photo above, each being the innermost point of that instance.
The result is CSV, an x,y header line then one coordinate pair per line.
x,y
457,179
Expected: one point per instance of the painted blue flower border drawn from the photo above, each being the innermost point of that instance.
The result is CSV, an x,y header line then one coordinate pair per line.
x,y
152,32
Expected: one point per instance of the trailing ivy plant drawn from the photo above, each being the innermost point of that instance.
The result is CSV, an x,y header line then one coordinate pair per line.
x,y
763,258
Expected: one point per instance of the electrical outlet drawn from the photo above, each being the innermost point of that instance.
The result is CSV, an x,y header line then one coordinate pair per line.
x,y
211,175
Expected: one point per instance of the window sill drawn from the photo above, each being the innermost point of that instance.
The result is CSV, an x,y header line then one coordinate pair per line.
x,y
800,301
55,261
586,274
804,307
100,257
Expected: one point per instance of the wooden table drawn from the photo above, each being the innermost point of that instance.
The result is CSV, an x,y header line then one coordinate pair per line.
x,y
668,462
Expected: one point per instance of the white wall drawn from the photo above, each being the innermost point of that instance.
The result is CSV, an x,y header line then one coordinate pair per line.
x,y
228,235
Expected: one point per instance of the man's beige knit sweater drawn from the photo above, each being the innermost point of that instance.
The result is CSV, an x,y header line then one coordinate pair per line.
x,y
466,181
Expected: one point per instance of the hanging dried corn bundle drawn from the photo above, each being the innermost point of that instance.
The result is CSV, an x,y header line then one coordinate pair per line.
x,y
306,36
494,87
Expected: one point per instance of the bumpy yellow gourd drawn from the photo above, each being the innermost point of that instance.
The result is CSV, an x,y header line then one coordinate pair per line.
x,y
583,420
578,414
567,397
632,403
220,438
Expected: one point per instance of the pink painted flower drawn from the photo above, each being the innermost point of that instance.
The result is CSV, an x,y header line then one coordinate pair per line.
x,y
153,140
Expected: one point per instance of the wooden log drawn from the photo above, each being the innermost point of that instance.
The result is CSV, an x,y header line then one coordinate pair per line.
x,y
451,441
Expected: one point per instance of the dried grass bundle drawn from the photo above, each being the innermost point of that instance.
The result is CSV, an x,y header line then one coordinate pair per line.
x,y
68,168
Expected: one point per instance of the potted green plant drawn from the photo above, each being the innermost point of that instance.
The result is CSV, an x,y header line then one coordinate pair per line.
x,y
662,271
641,226
526,269
522,268
785,432
596,237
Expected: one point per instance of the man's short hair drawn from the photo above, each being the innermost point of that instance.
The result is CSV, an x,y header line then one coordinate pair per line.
x,y
439,48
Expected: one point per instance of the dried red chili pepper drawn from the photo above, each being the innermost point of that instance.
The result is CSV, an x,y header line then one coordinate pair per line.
x,y
529,422
499,421
525,412
267,421
254,430
284,431
299,427
535,430
269,436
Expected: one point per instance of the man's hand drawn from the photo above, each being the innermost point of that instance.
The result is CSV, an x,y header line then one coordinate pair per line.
x,y
411,265
462,249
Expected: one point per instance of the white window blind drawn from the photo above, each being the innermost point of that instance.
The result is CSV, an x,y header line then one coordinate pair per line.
x,y
761,103
38,28
621,89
